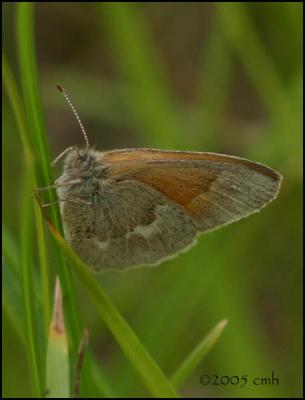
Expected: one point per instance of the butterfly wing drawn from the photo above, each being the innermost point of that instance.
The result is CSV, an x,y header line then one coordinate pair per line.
x,y
213,189
150,204
130,224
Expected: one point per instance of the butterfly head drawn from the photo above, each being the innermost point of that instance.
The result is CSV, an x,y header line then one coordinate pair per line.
x,y
83,163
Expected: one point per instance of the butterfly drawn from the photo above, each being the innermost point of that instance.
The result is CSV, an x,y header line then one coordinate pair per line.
x,y
140,206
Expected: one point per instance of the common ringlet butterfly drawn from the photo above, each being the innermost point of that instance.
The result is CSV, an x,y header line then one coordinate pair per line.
x,y
129,207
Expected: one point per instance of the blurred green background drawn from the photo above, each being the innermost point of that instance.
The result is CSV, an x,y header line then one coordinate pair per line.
x,y
220,77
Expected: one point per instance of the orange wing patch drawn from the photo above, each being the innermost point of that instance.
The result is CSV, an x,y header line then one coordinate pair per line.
x,y
214,189
179,183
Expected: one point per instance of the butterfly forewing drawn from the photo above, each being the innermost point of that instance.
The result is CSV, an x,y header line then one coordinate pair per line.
x,y
213,189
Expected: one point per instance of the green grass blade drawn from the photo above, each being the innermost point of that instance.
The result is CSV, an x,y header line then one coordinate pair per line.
x,y
151,104
30,88
10,85
16,103
38,141
57,371
26,234
32,335
11,298
12,301
36,130
214,87
196,356
242,37
10,250
150,372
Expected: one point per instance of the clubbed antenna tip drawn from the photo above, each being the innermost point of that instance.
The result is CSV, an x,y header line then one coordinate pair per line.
x,y
62,90
59,87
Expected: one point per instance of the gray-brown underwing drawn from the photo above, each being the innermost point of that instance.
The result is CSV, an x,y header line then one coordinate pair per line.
x,y
134,207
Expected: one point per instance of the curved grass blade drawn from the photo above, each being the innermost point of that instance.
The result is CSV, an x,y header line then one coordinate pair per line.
x,y
17,106
150,102
196,356
150,372
259,66
37,140
32,334
13,306
31,95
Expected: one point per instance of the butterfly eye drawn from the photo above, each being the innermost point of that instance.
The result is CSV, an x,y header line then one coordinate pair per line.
x,y
84,162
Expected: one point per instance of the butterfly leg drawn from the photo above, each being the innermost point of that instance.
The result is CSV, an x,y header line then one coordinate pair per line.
x,y
61,155
58,184
75,200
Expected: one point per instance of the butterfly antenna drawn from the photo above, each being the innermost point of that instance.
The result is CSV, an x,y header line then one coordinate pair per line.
x,y
62,90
